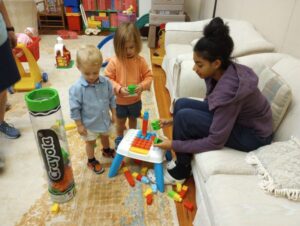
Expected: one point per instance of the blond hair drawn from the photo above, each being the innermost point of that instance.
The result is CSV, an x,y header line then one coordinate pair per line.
x,y
88,54
126,32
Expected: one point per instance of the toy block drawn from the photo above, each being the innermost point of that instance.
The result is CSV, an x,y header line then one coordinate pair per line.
x,y
139,177
149,199
174,196
147,192
128,176
182,194
154,188
131,89
145,180
70,126
183,191
155,124
55,208
188,205
144,171
135,174
157,140
178,187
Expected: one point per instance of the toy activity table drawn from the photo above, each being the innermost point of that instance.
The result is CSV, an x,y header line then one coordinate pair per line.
x,y
135,145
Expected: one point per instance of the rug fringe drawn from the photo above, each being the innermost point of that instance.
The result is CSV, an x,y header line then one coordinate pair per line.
x,y
267,183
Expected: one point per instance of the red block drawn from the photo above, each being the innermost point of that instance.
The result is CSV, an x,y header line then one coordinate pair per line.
x,y
149,199
188,205
129,178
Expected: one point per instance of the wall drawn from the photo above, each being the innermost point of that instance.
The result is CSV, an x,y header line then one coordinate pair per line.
x,y
144,7
192,8
22,14
277,20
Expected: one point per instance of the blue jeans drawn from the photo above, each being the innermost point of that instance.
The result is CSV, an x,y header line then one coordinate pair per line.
x,y
192,120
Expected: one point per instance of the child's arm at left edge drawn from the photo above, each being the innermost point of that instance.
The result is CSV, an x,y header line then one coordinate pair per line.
x,y
112,102
146,75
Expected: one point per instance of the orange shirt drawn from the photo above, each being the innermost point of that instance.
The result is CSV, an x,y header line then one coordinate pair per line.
x,y
132,71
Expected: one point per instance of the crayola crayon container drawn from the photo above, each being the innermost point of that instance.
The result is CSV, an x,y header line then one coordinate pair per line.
x,y
48,127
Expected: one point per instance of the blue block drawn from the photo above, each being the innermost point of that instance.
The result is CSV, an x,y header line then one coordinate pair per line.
x,y
71,3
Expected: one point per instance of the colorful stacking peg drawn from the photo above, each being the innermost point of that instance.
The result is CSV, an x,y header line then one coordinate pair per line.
x,y
134,174
128,176
131,89
144,171
178,187
145,180
183,191
147,192
174,196
155,124
154,188
149,199
188,205
145,123
55,208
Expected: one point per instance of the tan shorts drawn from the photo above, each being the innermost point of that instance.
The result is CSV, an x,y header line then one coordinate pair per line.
x,y
94,135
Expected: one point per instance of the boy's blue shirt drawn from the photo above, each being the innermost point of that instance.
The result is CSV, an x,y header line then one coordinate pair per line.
x,y
91,103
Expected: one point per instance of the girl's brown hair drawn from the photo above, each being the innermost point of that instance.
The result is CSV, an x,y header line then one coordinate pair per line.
x,y
126,32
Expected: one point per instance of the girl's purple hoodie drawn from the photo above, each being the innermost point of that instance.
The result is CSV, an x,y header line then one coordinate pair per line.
x,y
235,99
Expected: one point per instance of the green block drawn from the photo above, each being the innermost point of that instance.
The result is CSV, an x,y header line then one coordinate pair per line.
x,y
155,124
157,140
131,89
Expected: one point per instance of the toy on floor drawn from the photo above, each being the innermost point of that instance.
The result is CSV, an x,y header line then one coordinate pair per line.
x,y
90,27
65,34
31,78
25,38
62,55
48,127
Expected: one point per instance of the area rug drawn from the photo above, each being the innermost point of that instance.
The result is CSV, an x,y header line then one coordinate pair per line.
x,y
100,200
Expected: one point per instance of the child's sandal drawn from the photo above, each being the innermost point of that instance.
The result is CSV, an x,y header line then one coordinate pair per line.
x,y
96,166
108,153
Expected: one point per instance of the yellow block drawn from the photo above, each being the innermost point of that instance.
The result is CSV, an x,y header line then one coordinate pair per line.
x,y
55,208
139,150
144,171
178,187
102,14
70,126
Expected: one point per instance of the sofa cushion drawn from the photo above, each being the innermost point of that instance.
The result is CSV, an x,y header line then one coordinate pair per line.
x,y
289,69
175,50
225,161
278,166
236,200
278,93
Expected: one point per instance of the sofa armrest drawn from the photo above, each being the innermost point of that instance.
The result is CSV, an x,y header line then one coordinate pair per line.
x,y
183,32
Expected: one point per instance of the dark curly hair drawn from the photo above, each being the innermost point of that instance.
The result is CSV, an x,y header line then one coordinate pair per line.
x,y
216,43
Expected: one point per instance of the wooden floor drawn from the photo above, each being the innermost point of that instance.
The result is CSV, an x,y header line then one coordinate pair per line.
x,y
185,217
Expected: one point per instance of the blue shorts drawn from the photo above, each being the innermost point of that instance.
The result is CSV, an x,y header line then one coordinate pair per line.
x,y
132,110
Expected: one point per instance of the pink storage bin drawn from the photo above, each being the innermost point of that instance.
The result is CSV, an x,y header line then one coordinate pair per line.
x,y
126,18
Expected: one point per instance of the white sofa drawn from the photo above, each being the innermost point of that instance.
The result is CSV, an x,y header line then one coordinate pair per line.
x,y
227,190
